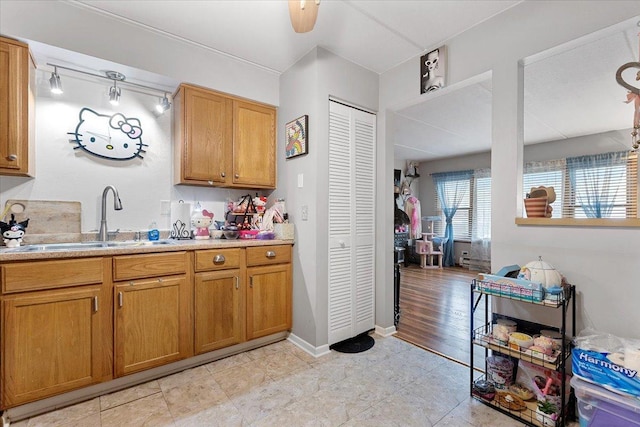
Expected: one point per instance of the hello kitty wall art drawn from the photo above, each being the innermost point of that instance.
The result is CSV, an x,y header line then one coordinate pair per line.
x,y
114,137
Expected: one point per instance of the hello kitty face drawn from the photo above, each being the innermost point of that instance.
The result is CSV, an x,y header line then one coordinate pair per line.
x,y
111,137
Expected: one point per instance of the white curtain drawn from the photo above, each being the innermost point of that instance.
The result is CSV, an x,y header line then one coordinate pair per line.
x,y
480,255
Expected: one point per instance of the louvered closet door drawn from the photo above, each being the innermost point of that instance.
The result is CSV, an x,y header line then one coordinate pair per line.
x,y
351,221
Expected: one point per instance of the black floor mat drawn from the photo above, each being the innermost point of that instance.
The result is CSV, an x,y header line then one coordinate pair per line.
x,y
357,344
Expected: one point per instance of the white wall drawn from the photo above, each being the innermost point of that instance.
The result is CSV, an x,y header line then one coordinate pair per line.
x,y
142,184
594,259
305,89
65,173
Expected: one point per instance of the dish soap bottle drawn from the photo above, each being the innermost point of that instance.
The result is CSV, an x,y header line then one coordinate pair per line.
x,y
154,234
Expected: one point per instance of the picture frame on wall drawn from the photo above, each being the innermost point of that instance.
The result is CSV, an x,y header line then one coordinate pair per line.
x,y
433,70
297,134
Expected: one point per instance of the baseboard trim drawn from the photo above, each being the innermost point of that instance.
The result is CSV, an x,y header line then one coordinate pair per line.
x,y
385,332
312,350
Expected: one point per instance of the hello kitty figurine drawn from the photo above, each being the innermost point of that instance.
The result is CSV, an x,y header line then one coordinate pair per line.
x,y
202,220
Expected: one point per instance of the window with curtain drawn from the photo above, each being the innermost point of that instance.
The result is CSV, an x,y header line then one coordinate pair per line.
x,y
474,211
593,186
462,219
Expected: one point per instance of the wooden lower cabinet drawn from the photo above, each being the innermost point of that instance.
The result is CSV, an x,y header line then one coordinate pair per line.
x,y
219,308
152,323
268,300
53,342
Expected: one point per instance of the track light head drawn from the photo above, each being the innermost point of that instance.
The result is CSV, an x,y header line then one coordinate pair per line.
x,y
163,104
114,94
54,82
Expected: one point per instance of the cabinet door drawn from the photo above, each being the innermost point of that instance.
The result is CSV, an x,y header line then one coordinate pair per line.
x,y
206,148
254,145
268,300
15,106
151,323
219,305
52,343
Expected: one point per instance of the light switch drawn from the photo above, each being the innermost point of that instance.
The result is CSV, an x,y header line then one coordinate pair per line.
x,y
165,207
300,180
305,212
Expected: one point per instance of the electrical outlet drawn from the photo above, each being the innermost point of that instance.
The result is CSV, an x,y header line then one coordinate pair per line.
x,y
305,212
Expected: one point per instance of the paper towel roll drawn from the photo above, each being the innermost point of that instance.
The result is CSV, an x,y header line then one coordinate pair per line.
x,y
632,358
180,220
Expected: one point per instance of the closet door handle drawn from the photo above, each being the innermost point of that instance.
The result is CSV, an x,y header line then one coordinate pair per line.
x,y
119,299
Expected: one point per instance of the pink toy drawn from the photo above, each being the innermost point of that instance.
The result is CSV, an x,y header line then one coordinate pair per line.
x,y
202,220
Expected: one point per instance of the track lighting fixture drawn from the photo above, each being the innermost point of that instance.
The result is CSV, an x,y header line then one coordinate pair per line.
x,y
54,82
163,104
118,80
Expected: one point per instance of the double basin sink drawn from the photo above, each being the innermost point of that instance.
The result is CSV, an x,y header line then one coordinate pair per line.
x,y
89,245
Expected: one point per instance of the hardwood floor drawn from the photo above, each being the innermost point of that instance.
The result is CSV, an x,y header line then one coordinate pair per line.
x,y
435,309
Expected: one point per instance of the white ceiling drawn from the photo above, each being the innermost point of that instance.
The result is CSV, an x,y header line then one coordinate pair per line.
x,y
569,91
376,34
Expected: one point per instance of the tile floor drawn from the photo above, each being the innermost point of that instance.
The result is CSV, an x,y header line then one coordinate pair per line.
x,y
392,384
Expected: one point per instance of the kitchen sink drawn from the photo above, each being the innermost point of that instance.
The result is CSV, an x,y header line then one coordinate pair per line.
x,y
89,245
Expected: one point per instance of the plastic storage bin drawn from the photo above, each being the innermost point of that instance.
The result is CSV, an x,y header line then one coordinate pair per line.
x,y
599,407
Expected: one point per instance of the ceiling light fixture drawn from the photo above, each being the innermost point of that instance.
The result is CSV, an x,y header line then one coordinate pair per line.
x,y
303,14
54,82
118,80
163,104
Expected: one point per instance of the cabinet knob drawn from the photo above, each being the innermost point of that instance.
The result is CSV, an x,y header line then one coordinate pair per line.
x,y
219,259
12,157
270,254
222,174
237,176
210,182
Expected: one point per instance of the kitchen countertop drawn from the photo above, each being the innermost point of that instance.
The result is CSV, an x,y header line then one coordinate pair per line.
x,y
10,254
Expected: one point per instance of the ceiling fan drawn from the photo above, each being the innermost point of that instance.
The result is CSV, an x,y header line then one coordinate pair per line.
x,y
303,14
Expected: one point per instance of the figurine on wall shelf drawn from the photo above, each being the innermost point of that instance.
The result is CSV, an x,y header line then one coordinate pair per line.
x,y
13,231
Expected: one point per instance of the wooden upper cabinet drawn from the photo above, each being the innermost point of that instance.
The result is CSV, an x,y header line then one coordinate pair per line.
x,y
223,141
17,107
254,145
203,135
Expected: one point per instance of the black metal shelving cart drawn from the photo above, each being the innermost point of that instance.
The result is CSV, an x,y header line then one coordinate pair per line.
x,y
482,336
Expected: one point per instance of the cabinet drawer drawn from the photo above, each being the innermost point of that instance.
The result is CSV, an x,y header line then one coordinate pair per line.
x,y
265,255
218,259
151,265
28,276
